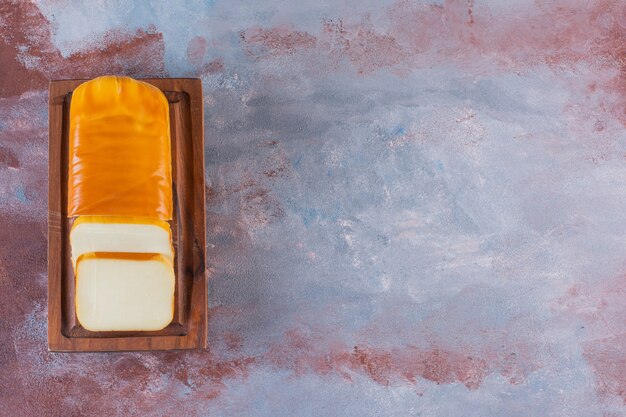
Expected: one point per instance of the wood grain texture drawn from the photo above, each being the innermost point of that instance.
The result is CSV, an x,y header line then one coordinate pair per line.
x,y
188,330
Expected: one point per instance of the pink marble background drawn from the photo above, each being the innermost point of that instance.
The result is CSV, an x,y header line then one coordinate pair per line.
x,y
413,207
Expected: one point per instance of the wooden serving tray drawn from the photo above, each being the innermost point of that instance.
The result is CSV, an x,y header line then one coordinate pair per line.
x,y
188,330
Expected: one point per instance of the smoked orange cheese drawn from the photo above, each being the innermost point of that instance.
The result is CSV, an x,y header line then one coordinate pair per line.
x,y
120,195
119,150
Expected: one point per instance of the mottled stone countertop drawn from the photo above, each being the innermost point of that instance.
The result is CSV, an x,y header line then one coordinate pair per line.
x,y
413,208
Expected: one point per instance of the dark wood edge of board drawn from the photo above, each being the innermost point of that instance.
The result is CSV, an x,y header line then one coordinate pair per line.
x,y
195,336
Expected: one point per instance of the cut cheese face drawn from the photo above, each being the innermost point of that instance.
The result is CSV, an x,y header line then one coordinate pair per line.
x,y
120,234
124,292
119,150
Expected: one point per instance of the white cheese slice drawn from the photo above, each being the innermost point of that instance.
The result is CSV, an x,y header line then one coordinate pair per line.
x,y
102,234
125,292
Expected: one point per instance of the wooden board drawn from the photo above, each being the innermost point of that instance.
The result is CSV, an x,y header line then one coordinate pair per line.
x,y
188,330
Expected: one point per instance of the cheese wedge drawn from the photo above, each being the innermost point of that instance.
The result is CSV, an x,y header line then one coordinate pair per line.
x,y
119,150
124,292
120,234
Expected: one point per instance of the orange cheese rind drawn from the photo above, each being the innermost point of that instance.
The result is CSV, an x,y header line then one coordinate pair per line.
x,y
125,256
119,150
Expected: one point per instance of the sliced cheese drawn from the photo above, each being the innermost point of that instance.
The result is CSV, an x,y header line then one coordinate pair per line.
x,y
124,292
120,234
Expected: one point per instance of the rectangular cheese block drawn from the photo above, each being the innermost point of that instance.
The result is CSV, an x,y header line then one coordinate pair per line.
x,y
124,292
120,195
120,161
120,234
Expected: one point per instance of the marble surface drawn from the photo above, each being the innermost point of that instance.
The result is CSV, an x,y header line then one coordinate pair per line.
x,y
413,208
